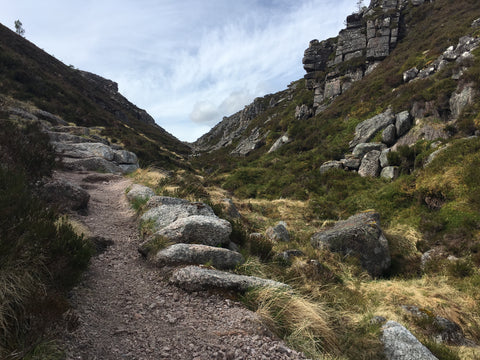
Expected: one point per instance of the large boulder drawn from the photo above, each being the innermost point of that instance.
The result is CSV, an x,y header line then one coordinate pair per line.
x,y
194,278
360,236
400,344
156,201
91,164
278,233
65,195
197,254
164,215
389,135
284,139
403,123
197,229
366,130
84,150
139,192
370,166
390,172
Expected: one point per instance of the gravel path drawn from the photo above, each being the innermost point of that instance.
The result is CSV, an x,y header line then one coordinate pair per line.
x,y
126,309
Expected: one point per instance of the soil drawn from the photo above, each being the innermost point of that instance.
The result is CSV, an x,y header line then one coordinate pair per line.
x,y
124,308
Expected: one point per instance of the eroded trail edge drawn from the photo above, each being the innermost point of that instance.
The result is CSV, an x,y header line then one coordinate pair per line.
x,y
127,310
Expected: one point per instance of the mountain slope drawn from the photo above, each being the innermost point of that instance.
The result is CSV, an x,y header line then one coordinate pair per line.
x,y
85,99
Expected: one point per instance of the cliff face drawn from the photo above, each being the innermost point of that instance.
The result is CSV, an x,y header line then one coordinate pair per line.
x,y
333,65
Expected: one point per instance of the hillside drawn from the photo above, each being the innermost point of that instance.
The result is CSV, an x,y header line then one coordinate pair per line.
x,y
84,99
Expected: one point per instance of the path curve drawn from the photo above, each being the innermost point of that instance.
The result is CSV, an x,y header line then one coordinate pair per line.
x,y
126,310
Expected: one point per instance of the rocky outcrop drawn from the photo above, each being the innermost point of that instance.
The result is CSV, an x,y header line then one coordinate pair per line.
x,y
252,142
284,139
401,344
370,165
194,278
197,254
333,164
366,130
370,35
360,236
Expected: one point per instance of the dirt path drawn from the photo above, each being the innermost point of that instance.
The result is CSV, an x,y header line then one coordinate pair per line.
x,y
126,310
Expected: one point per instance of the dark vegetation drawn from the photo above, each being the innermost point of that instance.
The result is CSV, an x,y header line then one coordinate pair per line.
x,y
41,256
30,74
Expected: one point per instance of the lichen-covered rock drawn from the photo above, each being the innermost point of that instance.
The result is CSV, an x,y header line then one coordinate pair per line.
x,y
91,164
461,99
194,278
389,135
400,344
197,254
360,236
197,229
137,192
334,164
361,149
390,172
403,123
351,163
370,166
84,150
250,143
278,233
384,158
303,112
366,130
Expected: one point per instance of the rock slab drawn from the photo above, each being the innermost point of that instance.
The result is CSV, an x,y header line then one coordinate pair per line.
x,y
194,278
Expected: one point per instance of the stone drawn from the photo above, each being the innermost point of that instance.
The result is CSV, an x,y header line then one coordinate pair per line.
x,y
351,163
250,143
156,201
384,158
361,149
333,87
139,192
403,123
330,165
444,330
287,255
360,236
417,2
197,254
84,150
65,195
370,165
197,229
389,135
128,168
278,233
460,100
303,112
476,23
91,164
366,130
409,75
59,137
194,278
400,344
164,215
390,172
284,139
124,157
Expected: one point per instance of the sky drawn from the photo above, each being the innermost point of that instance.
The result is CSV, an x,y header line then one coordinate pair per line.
x,y
188,63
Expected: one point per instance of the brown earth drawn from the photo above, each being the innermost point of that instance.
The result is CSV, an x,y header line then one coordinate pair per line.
x,y
125,308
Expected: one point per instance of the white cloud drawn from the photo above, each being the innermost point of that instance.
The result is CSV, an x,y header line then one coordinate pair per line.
x,y
188,63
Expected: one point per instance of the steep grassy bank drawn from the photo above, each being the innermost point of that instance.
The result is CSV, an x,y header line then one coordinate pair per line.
x,y
41,256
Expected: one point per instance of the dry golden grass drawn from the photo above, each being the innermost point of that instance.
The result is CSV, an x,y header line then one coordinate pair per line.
x,y
149,176
303,323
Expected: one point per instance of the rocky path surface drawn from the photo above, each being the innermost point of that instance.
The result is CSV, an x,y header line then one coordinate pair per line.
x,y
126,309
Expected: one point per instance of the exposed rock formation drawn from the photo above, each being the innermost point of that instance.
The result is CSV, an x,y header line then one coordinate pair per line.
x,y
360,236
278,233
139,192
65,195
